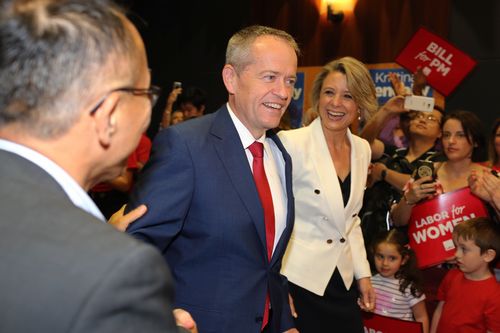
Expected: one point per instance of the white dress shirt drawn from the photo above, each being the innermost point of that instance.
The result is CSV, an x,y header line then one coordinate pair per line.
x,y
274,165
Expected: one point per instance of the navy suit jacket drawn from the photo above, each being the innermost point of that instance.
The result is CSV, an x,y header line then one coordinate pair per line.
x,y
205,215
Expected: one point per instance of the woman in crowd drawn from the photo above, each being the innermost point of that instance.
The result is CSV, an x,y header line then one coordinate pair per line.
x,y
463,144
326,252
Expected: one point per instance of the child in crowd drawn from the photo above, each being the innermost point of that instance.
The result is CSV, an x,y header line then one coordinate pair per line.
x,y
470,296
398,284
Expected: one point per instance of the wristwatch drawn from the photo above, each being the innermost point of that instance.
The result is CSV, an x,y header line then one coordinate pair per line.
x,y
383,174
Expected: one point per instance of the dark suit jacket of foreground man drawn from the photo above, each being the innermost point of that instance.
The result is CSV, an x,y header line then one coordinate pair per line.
x,y
205,215
62,270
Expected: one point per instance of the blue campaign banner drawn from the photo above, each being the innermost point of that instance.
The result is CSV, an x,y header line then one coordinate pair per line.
x,y
296,107
383,85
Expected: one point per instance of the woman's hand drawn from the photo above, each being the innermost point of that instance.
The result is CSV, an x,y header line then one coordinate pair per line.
x,y
366,300
423,188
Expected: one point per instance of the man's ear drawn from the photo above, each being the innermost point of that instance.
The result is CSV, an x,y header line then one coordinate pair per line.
x,y
105,118
229,76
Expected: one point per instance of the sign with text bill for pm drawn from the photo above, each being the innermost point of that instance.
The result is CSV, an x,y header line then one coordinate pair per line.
x,y
444,65
432,222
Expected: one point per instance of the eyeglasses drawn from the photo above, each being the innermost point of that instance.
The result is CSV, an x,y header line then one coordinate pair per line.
x,y
153,92
421,115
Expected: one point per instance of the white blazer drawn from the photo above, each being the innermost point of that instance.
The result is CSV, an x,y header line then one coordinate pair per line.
x,y
326,235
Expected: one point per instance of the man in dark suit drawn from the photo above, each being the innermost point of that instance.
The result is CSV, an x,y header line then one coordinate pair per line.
x,y
74,100
223,240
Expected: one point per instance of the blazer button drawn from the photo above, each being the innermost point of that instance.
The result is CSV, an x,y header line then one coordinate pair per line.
x,y
329,241
342,240
317,191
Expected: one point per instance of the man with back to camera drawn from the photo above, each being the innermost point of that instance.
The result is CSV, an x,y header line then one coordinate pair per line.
x,y
222,232
74,100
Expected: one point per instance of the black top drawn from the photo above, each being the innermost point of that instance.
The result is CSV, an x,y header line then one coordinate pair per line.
x,y
345,187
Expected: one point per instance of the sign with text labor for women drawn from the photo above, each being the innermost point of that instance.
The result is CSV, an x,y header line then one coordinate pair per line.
x,y
444,65
432,222
381,324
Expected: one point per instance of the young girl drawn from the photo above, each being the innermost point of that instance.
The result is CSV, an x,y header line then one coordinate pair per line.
x,y
398,284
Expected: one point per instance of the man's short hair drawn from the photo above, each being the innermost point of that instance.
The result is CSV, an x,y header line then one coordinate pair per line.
x,y
240,44
53,54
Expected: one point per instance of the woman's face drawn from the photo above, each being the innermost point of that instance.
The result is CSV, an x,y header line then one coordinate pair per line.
x,y
337,108
455,143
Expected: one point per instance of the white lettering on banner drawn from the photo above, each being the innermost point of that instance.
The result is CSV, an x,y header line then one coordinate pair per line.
x,y
440,67
389,92
442,229
440,52
382,77
432,218
456,210
296,93
422,56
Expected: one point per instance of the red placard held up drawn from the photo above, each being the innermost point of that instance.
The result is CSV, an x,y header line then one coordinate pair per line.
x,y
375,323
432,222
444,65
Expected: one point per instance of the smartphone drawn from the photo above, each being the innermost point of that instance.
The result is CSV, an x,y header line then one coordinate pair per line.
x,y
419,103
424,169
177,84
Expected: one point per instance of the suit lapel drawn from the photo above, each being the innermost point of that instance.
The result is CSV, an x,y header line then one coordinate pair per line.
x,y
356,173
290,216
327,175
230,150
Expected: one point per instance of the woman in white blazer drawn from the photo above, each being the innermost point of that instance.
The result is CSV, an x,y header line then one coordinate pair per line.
x,y
326,251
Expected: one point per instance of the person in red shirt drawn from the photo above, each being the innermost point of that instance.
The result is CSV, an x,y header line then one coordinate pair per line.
x,y
470,296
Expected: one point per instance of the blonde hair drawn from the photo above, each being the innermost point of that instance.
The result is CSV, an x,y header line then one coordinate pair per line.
x,y
359,83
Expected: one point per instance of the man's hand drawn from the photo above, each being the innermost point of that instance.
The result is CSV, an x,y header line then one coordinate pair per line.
x,y
184,319
120,221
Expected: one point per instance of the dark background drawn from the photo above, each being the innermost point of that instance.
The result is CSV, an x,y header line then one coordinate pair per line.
x,y
186,40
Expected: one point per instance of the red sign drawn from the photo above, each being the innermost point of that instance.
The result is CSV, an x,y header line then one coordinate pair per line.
x,y
444,65
380,324
432,222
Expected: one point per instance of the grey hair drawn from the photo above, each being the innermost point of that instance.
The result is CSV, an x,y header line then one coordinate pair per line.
x,y
239,46
52,55
359,83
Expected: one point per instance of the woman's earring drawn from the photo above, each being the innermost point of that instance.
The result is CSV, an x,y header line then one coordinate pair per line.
x,y
359,115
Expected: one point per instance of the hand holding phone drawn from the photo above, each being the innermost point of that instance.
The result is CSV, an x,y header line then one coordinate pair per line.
x,y
419,103
177,85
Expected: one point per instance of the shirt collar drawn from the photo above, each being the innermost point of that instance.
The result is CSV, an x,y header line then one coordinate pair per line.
x,y
245,136
73,190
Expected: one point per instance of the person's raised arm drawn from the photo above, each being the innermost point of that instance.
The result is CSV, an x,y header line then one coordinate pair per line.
x,y
167,112
371,130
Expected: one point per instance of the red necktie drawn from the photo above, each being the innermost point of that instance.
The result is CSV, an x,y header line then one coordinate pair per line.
x,y
259,175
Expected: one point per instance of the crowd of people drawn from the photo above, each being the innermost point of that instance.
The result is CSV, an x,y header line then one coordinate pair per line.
x,y
230,225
